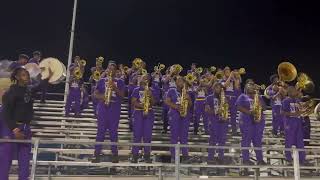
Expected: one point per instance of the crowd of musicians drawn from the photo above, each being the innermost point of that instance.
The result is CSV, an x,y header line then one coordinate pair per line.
x,y
211,95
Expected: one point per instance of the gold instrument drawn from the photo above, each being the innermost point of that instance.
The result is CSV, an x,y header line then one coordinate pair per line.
x,y
108,90
242,71
137,63
159,67
305,83
77,73
144,72
199,70
184,102
146,100
176,68
82,63
190,78
308,107
96,75
126,69
212,69
219,75
100,59
223,106
287,72
257,108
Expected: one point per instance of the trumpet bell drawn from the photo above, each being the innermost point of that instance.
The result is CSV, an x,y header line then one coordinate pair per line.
x,y
305,83
287,72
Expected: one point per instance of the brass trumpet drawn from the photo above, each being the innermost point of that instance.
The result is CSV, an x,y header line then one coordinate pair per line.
x,y
77,73
305,83
219,75
159,67
190,78
100,59
96,75
212,69
199,70
137,63
146,100
82,62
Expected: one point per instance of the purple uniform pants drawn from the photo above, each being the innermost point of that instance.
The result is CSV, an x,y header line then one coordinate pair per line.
x,y
199,112
233,112
179,128
142,130
277,120
7,152
294,136
94,100
218,136
252,133
74,96
108,119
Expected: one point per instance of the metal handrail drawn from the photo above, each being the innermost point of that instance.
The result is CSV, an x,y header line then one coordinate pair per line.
x,y
178,165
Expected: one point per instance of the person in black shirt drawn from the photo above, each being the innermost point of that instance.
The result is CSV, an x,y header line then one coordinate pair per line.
x,y
16,115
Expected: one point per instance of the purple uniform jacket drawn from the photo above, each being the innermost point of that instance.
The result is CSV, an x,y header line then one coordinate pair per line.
x,y
291,105
213,102
247,102
119,84
33,60
138,93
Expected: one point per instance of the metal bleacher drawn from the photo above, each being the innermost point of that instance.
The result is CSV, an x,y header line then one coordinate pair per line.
x,y
72,159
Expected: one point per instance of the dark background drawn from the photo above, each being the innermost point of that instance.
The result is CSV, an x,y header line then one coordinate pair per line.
x,y
257,35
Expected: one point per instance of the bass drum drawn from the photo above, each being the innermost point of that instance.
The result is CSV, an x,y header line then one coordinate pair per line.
x,y
63,77
57,68
33,69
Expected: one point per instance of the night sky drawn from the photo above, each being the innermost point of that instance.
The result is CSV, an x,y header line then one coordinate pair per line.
x,y
257,35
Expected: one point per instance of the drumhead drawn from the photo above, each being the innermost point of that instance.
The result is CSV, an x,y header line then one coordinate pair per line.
x,y
55,66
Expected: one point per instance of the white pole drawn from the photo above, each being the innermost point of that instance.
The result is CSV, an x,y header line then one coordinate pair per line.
x,y
66,89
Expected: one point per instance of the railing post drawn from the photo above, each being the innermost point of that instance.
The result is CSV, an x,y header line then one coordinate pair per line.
x,y
296,164
177,161
160,173
34,159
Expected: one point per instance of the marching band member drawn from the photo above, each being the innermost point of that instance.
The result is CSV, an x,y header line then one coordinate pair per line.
x,y
17,113
199,107
142,101
179,103
232,87
36,57
98,69
277,93
75,83
252,121
84,100
218,125
132,74
23,60
109,91
293,123
43,83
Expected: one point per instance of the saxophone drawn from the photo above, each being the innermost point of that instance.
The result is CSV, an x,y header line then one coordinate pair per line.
x,y
184,102
257,109
223,107
146,100
108,91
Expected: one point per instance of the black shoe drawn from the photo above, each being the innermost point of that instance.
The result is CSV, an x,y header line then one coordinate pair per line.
x,y
42,101
195,132
134,159
211,162
96,159
185,159
262,163
147,159
115,159
248,163
164,131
